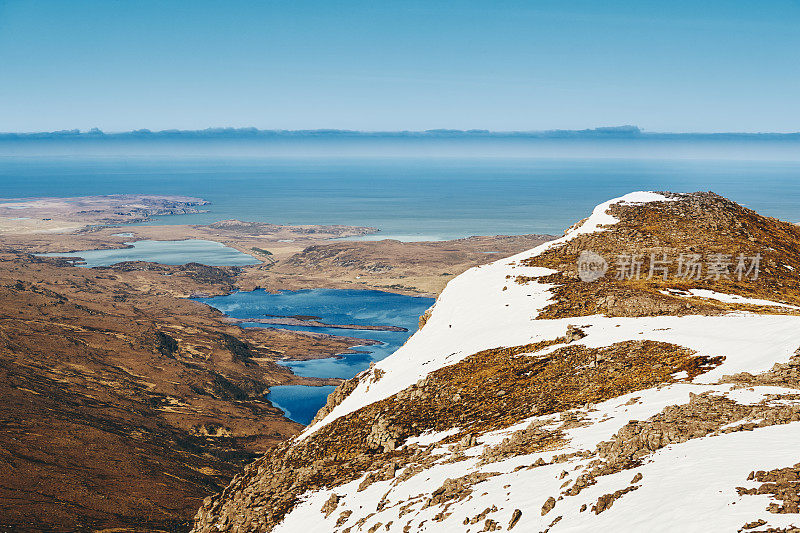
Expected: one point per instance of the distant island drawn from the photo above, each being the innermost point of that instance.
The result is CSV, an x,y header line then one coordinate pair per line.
x,y
609,132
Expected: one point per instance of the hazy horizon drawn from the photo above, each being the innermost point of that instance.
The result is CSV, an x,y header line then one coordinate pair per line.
x,y
357,145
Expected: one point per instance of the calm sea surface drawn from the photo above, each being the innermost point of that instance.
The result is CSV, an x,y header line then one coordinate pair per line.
x,y
415,198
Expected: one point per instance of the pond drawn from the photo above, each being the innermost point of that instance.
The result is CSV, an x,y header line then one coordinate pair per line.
x,y
330,307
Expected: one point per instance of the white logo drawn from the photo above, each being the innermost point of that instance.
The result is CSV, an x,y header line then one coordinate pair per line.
x,y
591,266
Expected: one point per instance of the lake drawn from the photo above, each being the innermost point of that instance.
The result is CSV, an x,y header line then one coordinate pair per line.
x,y
332,306
166,252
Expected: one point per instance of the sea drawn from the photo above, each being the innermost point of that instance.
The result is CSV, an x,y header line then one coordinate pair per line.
x,y
414,198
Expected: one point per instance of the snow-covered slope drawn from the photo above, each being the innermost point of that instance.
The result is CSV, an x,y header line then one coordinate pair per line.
x,y
474,313
535,401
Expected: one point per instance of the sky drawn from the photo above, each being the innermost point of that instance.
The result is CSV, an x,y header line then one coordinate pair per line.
x,y
679,66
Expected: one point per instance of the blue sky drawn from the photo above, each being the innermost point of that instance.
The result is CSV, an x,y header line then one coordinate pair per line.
x,y
712,65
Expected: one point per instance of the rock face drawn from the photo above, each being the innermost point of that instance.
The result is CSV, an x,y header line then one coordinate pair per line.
x,y
534,400
383,436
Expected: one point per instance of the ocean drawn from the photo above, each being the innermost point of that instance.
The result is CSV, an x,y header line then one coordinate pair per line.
x,y
410,198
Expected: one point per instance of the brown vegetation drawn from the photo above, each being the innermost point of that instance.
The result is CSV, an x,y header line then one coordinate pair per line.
x,y
123,405
495,388
701,223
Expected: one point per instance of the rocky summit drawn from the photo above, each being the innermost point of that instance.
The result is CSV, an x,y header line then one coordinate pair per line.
x,y
640,373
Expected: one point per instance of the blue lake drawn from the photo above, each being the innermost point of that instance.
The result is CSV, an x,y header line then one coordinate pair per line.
x,y
166,252
332,306
299,402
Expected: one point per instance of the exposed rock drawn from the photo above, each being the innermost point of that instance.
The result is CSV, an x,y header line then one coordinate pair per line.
x,y
574,333
384,435
330,505
783,484
607,500
548,505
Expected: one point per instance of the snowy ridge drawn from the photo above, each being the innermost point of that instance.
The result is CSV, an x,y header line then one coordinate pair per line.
x,y
681,455
475,312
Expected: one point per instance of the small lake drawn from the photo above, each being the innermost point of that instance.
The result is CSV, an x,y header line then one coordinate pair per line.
x,y
331,306
166,252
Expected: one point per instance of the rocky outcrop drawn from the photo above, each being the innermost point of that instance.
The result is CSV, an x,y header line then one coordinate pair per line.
x,y
384,436
336,397
782,484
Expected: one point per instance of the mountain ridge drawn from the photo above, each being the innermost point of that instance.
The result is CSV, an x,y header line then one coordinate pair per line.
x,y
533,399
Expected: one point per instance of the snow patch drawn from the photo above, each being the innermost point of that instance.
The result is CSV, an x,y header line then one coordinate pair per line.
x,y
431,437
725,298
